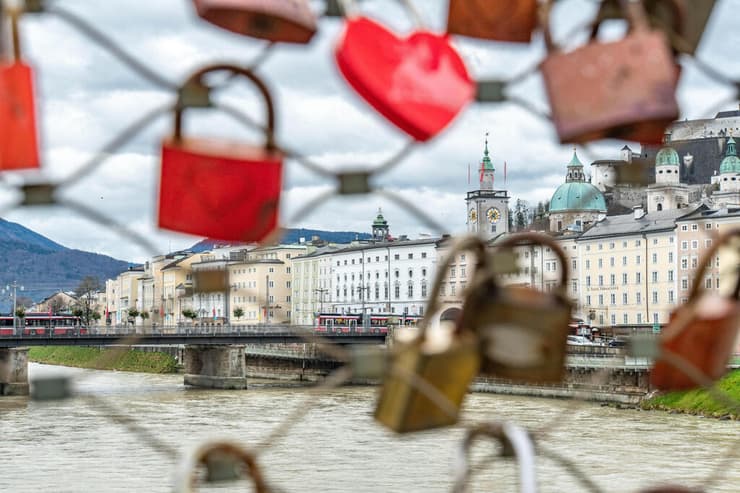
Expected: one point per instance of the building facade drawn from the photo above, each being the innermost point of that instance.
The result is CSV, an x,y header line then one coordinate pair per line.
x,y
487,208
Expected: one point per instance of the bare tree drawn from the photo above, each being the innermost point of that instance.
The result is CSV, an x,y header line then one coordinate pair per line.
x,y
57,305
86,293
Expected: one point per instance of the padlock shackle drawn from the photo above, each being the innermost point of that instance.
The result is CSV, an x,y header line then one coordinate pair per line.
x,y
199,457
633,10
542,240
15,34
472,244
196,78
707,260
513,439
676,30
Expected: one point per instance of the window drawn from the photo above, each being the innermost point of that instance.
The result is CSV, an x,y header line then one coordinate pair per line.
x,y
588,280
272,269
655,241
287,284
624,260
639,318
601,246
588,300
624,278
684,227
588,248
588,264
655,296
411,290
694,262
601,280
708,226
601,264
397,291
287,298
694,244
452,289
694,227
574,286
708,283
684,263
424,272
670,257
574,264
411,256
655,276
638,297
613,279
614,319
671,297
707,243
611,246
271,284
377,258
601,300
423,254
397,257
452,272
611,262
684,283
638,243
272,298
624,244
684,245
670,275
411,273
423,289
638,277
655,258
613,299
353,261
287,270
377,291
625,319
397,273
624,298
638,260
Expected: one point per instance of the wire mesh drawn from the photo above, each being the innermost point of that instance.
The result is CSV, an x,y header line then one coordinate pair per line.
x,y
355,182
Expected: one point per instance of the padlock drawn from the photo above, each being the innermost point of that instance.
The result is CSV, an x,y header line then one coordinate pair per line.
x,y
288,21
429,375
683,21
523,331
499,21
223,461
700,334
623,89
515,442
220,189
419,83
18,134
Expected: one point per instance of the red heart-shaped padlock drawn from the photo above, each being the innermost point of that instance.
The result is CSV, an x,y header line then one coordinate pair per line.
x,y
419,83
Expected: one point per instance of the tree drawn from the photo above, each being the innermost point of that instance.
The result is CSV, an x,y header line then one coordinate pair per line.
x,y
86,294
20,312
96,316
133,312
188,313
521,212
56,305
144,316
238,312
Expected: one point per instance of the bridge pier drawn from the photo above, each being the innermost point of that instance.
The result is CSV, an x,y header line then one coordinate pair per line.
x,y
14,371
216,367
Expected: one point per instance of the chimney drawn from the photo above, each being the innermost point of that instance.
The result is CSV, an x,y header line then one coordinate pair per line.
x,y
638,211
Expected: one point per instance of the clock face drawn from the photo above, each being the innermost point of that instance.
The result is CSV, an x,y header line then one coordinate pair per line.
x,y
493,215
473,215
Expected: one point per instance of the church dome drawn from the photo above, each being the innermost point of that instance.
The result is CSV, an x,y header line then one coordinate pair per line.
x,y
730,163
667,156
577,196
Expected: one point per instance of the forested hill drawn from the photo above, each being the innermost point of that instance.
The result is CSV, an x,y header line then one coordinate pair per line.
x,y
294,235
43,266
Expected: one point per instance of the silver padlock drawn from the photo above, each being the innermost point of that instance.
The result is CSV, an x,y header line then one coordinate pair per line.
x,y
515,442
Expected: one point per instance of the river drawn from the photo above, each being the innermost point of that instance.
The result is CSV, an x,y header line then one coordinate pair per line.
x,y
70,446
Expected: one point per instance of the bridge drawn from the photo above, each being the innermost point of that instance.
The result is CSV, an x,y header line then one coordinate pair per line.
x,y
214,356
221,335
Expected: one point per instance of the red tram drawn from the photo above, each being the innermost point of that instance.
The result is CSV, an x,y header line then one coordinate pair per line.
x,y
42,324
336,323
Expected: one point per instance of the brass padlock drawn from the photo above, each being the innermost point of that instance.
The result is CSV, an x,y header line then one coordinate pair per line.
x,y
515,441
222,461
623,89
523,331
429,374
701,333
499,21
683,21
289,21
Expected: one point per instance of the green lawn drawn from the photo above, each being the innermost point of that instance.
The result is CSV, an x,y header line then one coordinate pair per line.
x,y
104,359
699,401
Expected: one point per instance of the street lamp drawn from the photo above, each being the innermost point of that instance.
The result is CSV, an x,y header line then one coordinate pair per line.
x,y
15,287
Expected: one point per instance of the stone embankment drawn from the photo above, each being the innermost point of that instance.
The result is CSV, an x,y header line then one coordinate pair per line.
x,y
122,359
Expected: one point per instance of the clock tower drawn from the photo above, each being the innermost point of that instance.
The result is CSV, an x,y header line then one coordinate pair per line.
x,y
487,208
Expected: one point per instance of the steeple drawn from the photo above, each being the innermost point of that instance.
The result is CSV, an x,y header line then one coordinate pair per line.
x,y
380,227
486,169
575,169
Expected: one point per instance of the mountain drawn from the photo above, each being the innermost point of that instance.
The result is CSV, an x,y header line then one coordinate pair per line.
x,y
291,235
44,267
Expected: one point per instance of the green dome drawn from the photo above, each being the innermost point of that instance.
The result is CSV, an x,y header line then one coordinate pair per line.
x,y
577,196
730,163
667,156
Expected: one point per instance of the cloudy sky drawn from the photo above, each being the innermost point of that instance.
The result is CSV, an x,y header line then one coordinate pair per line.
x,y
87,96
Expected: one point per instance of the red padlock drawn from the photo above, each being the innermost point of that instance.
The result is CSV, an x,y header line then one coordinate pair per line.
x,y
419,83
18,137
623,89
288,21
701,333
512,20
221,189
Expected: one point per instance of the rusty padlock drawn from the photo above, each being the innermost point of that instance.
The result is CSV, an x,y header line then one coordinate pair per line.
x,y
623,89
515,442
683,21
18,134
700,334
513,20
223,190
523,331
289,21
223,461
429,375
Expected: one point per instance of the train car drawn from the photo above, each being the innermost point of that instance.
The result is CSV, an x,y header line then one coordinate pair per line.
x,y
40,324
337,323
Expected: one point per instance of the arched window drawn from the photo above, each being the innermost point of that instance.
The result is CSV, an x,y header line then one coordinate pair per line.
x,y
660,207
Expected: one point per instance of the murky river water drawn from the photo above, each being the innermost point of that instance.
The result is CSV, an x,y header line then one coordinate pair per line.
x,y
70,446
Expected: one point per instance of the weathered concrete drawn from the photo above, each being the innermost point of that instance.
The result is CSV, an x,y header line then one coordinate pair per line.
x,y
14,371
215,367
